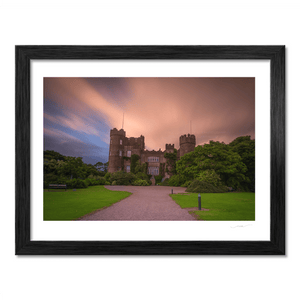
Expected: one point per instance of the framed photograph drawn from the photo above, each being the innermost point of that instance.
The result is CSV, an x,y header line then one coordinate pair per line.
x,y
91,73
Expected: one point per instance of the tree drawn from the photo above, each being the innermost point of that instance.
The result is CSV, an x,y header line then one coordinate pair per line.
x,y
245,147
105,167
213,156
99,166
50,154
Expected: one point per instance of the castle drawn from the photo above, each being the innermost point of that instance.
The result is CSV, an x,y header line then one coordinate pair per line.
x,y
122,148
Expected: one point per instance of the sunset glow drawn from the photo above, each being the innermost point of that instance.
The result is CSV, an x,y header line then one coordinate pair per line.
x,y
79,112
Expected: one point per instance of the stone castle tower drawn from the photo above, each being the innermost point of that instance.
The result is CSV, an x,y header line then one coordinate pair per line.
x,y
121,148
187,144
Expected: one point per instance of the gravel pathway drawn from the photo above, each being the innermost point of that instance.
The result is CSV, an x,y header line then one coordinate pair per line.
x,y
147,203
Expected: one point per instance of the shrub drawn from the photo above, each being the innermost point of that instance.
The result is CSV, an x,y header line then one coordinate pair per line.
x,y
165,182
88,181
76,183
140,182
107,183
158,179
107,177
176,180
204,187
141,175
187,183
210,176
123,178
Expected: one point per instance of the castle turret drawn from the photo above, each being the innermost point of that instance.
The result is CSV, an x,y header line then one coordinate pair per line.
x,y
187,143
116,149
169,148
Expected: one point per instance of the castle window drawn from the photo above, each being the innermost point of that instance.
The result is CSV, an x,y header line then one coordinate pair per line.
x,y
120,153
129,153
127,169
121,142
153,159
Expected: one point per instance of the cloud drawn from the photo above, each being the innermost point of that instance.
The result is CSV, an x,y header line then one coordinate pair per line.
x,y
165,108
161,109
69,145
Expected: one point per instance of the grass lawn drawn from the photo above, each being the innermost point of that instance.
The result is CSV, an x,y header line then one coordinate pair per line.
x,y
61,205
222,207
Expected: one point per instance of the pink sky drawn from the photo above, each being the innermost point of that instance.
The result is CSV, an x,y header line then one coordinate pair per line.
x,y
161,109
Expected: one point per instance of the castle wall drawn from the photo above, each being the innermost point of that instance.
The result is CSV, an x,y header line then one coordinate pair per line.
x,y
122,146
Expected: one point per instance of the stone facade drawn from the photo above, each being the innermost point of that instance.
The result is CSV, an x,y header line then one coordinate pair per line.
x,y
122,148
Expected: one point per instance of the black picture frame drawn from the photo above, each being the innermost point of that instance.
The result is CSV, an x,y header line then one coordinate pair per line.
x,y
23,244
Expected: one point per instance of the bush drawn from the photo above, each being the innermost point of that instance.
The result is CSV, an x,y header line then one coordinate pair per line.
x,y
141,175
176,180
140,182
165,182
107,177
210,176
204,187
107,183
187,183
122,178
76,183
158,179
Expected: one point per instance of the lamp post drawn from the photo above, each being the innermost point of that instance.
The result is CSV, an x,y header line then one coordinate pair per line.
x,y
199,201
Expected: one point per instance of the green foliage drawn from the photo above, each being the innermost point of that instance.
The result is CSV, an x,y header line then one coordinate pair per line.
x,y
122,178
210,176
141,168
165,182
141,182
77,183
62,169
50,154
95,181
162,169
213,156
187,183
245,147
107,177
142,176
158,179
204,187
171,162
134,162
176,180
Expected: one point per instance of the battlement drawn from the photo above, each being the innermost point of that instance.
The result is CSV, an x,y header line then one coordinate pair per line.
x,y
132,141
190,138
169,146
115,131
